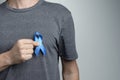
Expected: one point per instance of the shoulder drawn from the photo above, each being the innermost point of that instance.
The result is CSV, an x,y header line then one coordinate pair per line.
x,y
2,9
56,8
2,4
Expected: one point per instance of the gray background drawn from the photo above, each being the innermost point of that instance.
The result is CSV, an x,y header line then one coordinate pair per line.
x,y
97,25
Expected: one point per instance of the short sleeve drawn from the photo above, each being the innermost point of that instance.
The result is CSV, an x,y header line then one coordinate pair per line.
x,y
67,39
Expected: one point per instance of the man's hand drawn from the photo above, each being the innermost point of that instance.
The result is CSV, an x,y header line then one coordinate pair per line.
x,y
21,51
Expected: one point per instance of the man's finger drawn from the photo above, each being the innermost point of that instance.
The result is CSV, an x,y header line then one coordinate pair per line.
x,y
25,41
28,41
27,51
35,43
27,46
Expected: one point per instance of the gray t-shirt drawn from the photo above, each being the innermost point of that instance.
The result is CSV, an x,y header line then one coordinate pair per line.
x,y
56,25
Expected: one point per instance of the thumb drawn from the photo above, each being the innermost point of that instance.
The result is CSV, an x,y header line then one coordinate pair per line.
x,y
35,43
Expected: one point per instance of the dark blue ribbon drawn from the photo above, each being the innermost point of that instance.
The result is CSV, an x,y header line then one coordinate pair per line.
x,y
38,38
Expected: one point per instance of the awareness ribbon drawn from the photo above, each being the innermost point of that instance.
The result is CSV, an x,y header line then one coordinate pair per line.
x,y
38,38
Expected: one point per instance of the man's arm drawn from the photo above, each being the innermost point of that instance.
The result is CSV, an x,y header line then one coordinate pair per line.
x,y
5,61
70,70
21,51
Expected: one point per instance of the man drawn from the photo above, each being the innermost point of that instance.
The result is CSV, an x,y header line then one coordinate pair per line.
x,y
19,20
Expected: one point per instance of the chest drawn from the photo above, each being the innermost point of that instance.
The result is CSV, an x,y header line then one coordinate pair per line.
x,y
15,27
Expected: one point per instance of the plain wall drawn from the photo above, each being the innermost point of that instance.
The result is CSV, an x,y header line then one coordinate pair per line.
x,y
97,25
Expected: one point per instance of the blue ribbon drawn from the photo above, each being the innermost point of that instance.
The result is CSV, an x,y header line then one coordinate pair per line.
x,y
38,38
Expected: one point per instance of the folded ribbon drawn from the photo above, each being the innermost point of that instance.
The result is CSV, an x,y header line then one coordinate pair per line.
x,y
38,38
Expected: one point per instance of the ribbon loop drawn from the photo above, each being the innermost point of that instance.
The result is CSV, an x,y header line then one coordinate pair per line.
x,y
38,38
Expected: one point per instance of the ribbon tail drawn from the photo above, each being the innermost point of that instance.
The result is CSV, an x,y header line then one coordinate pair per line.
x,y
43,50
37,49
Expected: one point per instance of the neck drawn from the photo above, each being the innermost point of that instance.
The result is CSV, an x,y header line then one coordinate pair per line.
x,y
21,4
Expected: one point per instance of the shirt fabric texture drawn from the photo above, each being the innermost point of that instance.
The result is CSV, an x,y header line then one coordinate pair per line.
x,y
54,22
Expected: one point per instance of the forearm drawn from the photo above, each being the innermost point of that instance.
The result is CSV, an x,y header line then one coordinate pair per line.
x,y
5,61
71,75
70,70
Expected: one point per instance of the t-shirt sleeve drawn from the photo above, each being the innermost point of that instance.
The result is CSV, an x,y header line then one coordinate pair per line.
x,y
67,38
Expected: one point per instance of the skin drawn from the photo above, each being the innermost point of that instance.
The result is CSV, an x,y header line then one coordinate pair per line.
x,y
23,49
70,70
